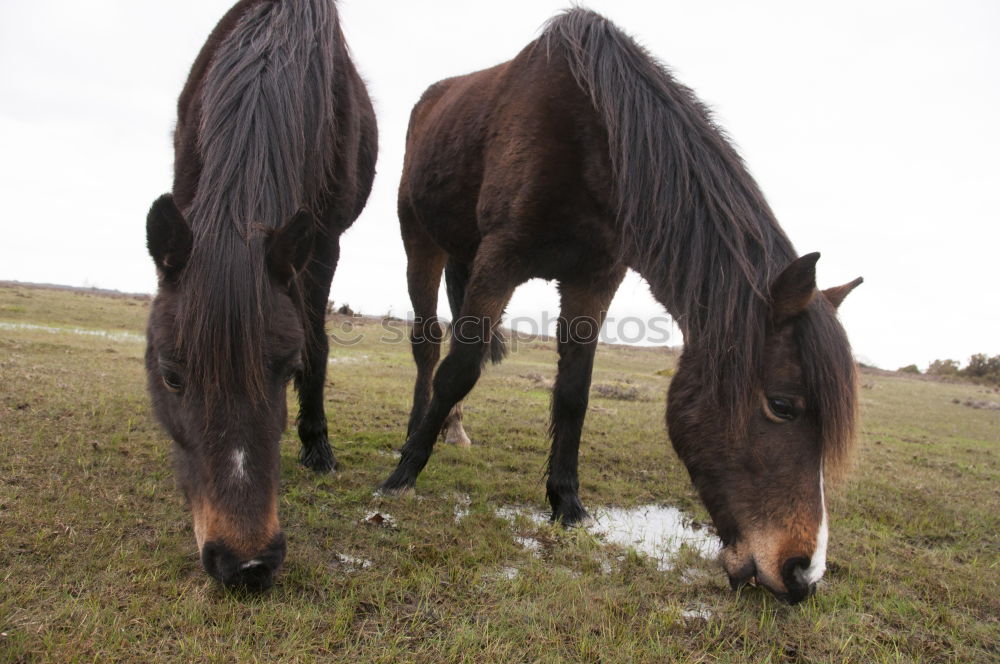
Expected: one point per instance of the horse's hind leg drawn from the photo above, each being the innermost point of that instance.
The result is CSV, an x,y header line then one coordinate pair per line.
x,y
582,314
494,277
316,452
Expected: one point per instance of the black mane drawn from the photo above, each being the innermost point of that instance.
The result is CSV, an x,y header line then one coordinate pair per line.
x,y
265,140
694,222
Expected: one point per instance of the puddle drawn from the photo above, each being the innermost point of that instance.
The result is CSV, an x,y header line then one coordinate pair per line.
x,y
355,563
655,531
380,519
530,544
507,573
511,512
347,359
694,575
463,502
697,614
79,331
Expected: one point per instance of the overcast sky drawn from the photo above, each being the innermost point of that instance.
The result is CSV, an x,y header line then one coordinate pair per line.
x,y
871,127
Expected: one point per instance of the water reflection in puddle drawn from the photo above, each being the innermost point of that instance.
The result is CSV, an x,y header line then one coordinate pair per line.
x,y
697,613
508,573
511,512
353,562
346,359
463,503
530,544
79,331
654,530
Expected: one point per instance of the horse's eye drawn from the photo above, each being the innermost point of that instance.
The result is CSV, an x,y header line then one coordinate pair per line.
x,y
782,408
172,381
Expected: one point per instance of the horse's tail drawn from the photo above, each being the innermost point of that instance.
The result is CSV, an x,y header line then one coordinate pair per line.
x,y
456,278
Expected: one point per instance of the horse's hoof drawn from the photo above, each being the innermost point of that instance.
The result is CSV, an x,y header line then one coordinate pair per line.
x,y
458,438
401,492
318,458
395,487
571,514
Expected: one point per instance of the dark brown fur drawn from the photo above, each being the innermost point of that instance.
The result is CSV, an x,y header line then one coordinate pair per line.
x,y
577,159
275,150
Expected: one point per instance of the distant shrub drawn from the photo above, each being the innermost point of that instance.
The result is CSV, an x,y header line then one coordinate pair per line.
x,y
540,380
618,391
981,369
943,368
910,369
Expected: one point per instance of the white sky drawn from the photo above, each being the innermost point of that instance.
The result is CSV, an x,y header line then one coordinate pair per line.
x,y
871,127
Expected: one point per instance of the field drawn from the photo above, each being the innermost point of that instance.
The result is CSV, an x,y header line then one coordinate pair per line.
x,y
98,561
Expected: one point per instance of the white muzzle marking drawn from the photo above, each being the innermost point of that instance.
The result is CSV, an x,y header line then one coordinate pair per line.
x,y
817,564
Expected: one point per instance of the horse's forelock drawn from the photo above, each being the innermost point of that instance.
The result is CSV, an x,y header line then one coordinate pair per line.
x,y
221,321
829,372
265,139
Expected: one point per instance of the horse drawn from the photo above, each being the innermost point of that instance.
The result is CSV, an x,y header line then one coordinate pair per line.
x,y
574,161
275,148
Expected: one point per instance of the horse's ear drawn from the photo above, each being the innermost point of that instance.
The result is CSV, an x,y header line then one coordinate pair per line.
x,y
168,237
794,289
837,294
289,247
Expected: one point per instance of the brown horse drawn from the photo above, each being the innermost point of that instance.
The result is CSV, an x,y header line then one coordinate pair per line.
x,y
582,157
275,152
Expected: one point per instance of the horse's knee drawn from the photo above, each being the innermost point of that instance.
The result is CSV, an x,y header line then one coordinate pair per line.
x,y
425,341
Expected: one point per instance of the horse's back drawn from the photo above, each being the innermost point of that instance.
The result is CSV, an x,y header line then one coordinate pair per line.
x,y
503,149
443,166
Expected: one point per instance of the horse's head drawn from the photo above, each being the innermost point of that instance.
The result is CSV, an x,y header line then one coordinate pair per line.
x,y
759,468
220,352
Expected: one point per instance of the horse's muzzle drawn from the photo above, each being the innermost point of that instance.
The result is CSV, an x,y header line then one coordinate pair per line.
x,y
255,574
795,589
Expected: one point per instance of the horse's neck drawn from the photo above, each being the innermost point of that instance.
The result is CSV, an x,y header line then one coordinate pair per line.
x,y
712,306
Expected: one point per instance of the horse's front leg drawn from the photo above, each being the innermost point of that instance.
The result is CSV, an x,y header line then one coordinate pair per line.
x,y
583,308
490,288
316,452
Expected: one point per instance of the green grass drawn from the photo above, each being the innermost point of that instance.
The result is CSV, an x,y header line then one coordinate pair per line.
x,y
98,562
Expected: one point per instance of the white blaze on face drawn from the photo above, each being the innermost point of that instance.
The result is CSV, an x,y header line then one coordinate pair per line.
x,y
239,464
817,564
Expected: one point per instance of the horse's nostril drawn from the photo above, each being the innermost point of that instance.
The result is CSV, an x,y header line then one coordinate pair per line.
x,y
253,575
214,558
256,574
793,573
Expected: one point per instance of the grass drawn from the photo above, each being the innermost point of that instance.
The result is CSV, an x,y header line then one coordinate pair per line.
x,y
98,561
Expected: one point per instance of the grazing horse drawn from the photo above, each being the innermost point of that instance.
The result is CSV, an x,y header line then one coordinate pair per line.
x,y
582,157
275,151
